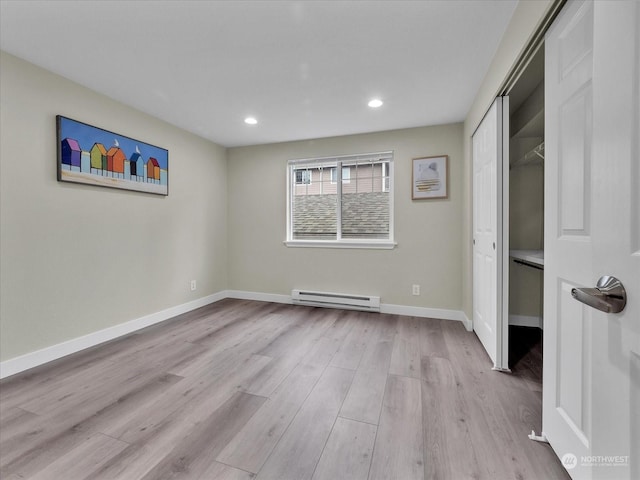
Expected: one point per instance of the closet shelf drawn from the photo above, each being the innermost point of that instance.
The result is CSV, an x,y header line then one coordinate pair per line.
x,y
532,127
532,157
534,258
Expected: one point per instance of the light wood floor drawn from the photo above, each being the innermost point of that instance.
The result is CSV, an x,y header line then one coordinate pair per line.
x,y
242,389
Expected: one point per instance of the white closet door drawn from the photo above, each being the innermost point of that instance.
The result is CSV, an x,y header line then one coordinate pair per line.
x,y
591,375
488,149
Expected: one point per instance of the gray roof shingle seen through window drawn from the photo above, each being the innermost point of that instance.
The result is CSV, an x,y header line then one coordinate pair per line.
x,y
364,215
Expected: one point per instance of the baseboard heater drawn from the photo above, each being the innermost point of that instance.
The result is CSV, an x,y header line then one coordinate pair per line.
x,y
367,303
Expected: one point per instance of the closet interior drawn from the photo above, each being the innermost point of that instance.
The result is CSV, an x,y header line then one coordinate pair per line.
x,y
526,218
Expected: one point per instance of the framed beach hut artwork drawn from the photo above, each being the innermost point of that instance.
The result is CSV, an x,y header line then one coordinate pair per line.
x,y
430,177
93,156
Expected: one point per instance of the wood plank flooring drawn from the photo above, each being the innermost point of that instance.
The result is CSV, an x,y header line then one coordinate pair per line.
x,y
242,389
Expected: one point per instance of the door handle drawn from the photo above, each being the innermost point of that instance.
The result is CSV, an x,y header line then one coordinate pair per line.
x,y
609,296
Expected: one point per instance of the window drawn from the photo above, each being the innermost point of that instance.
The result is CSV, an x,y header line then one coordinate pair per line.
x,y
303,177
346,175
355,210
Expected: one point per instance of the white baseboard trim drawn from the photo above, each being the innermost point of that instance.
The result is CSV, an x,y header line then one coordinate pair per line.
x,y
525,321
54,352
260,297
438,313
468,324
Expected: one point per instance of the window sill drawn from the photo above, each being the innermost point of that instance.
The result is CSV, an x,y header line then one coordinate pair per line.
x,y
378,245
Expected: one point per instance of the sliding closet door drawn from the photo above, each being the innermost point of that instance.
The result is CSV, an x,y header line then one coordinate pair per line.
x,y
489,152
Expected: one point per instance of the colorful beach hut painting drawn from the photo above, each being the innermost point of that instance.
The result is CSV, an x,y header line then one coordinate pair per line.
x,y
98,157
71,153
93,156
136,166
153,170
115,161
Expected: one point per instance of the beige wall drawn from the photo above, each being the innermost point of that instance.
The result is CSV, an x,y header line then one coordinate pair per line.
x,y
427,232
524,22
76,259
526,212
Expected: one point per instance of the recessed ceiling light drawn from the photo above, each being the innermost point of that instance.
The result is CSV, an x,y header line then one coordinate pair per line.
x,y
375,103
250,121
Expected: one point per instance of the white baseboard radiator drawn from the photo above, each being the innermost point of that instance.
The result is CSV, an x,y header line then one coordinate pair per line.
x,y
336,300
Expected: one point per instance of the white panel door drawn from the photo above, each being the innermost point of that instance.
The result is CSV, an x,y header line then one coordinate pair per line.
x,y
591,376
487,144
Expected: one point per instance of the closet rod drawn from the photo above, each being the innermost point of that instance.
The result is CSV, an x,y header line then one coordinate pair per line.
x,y
533,156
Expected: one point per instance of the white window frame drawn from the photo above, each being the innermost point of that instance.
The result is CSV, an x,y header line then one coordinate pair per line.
x,y
340,242
384,178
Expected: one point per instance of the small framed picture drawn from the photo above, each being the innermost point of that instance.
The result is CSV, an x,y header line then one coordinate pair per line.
x,y
430,177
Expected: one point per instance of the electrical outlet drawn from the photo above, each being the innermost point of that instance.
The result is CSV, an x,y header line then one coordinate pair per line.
x,y
415,289
193,285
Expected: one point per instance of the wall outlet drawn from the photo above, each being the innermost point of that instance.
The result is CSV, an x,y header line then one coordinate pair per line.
x,y
415,290
193,285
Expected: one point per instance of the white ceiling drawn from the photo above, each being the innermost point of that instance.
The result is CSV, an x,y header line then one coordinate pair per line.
x,y
304,69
